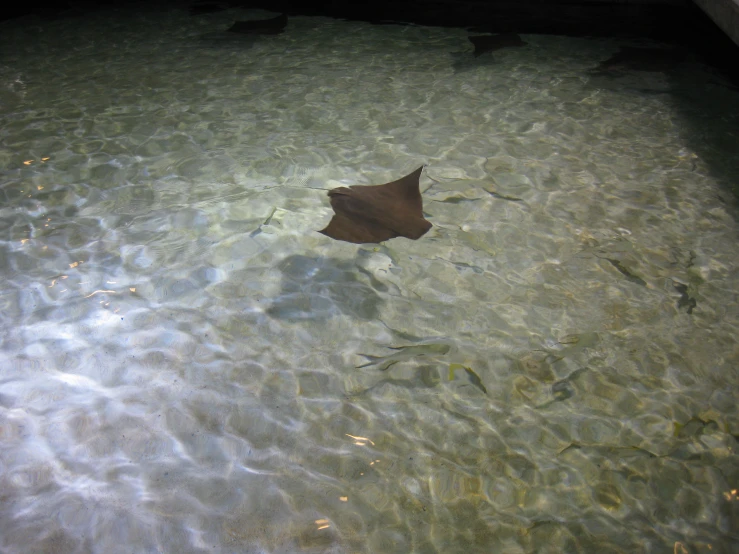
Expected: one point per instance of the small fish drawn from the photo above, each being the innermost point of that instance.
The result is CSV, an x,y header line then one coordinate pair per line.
x,y
503,196
575,343
404,353
626,273
471,375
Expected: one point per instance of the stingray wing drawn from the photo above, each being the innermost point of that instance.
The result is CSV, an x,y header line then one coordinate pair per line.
x,y
397,205
343,228
403,193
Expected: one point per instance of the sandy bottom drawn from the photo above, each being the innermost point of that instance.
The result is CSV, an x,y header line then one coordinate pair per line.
x,y
188,366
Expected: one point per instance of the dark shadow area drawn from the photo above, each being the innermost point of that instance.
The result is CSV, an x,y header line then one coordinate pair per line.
x,y
574,18
709,109
709,124
48,10
701,67
320,288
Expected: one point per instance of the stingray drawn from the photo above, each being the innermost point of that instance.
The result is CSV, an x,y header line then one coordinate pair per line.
x,y
377,213
644,59
273,26
491,43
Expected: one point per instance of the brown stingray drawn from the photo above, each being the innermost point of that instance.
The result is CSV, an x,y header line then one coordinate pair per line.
x,y
644,59
490,43
377,213
273,26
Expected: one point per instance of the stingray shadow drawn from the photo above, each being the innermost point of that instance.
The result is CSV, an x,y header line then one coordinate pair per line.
x,y
314,289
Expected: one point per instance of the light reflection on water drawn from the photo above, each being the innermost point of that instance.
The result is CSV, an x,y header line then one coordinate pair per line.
x,y
187,366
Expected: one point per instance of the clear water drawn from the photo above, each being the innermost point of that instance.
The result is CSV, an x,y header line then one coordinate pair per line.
x,y
188,366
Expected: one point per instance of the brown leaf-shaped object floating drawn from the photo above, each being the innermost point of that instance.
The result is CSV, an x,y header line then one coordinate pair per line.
x,y
377,213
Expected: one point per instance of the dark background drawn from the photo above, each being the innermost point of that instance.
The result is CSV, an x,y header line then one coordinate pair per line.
x,y
673,21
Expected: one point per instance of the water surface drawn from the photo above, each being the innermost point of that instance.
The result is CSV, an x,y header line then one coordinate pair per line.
x,y
188,366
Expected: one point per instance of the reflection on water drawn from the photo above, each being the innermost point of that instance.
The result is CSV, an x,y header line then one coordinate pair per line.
x,y
189,366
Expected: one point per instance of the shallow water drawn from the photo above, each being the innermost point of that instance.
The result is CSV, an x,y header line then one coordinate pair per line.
x,y
188,366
